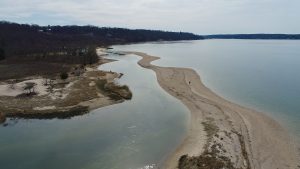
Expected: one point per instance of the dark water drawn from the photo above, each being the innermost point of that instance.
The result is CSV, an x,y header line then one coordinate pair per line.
x,y
261,74
134,134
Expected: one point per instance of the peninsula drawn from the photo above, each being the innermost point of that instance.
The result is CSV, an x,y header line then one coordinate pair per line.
x,y
222,134
53,72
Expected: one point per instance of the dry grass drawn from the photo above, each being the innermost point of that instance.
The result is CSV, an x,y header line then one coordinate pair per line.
x,y
22,70
67,106
81,91
210,128
114,91
207,160
210,158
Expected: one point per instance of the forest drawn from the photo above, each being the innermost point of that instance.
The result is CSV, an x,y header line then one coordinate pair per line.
x,y
70,44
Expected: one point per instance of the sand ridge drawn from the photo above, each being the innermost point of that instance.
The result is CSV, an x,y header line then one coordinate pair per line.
x,y
248,138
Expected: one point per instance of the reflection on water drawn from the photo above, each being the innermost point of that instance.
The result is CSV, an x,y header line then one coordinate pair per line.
x,y
135,134
262,74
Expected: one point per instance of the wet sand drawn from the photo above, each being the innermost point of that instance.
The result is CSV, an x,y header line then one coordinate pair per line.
x,y
250,139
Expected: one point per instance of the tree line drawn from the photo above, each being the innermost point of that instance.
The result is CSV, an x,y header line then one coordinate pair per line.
x,y
71,44
255,36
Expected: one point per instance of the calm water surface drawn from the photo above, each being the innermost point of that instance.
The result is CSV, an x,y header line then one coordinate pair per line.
x,y
261,74
131,135
136,134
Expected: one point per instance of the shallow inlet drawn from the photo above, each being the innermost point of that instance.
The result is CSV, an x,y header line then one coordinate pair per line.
x,y
259,74
134,134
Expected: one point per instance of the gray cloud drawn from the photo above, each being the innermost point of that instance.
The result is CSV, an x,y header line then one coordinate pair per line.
x,y
198,16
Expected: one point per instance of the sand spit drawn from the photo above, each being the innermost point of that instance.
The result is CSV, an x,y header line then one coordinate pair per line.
x,y
222,134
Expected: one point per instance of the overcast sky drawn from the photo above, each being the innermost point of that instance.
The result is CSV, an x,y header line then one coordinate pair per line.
x,y
197,16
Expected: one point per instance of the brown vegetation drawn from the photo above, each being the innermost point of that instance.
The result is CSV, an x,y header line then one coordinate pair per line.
x,y
211,158
68,95
207,160
114,91
22,70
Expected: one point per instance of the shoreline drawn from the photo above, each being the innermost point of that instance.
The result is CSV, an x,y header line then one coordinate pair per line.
x,y
221,131
79,95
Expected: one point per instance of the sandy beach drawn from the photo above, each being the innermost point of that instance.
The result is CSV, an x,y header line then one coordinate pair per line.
x,y
227,134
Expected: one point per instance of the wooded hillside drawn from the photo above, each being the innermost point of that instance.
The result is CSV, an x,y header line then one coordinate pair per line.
x,y
70,44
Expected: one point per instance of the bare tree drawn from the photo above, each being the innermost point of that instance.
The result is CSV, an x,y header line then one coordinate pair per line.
x,y
47,79
12,84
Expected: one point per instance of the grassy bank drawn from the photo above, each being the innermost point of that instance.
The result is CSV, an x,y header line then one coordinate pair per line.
x,y
65,98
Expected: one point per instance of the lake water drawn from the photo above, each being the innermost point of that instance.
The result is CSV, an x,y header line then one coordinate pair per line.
x,y
131,135
260,74
141,132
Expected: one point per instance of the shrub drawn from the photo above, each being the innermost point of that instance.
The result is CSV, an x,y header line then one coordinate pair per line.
x,y
64,75
29,87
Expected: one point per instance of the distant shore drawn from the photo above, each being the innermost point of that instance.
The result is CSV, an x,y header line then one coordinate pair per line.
x,y
222,133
